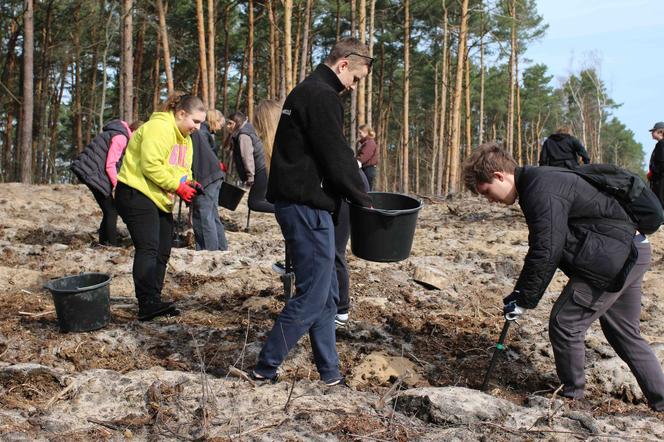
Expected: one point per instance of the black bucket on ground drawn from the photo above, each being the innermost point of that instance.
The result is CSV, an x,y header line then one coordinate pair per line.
x,y
385,232
82,302
230,196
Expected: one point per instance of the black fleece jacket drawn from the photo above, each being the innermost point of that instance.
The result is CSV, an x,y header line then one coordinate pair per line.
x,y
562,150
312,163
572,226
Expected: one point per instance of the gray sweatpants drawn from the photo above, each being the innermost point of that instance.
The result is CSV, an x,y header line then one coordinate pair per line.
x,y
619,314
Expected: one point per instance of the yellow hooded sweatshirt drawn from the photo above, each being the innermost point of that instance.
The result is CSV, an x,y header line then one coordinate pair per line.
x,y
156,159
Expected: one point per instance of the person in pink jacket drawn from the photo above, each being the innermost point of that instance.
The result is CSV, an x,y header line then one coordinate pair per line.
x,y
97,167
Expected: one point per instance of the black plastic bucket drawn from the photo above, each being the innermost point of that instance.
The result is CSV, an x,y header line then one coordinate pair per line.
x,y
230,196
385,232
82,302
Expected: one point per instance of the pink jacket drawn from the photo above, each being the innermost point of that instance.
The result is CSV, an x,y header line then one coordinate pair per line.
x,y
115,150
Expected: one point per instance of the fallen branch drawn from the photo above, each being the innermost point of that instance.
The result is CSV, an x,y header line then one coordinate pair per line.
x,y
235,372
60,395
104,424
35,315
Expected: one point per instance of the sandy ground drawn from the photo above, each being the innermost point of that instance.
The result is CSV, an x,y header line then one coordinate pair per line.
x,y
414,356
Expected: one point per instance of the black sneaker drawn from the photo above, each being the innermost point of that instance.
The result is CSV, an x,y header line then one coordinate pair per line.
x,y
279,268
152,310
339,382
259,379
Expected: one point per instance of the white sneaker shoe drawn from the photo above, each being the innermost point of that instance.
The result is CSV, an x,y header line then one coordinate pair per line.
x,y
279,268
340,319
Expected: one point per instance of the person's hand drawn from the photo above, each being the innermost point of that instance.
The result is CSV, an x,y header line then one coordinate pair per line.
x,y
512,311
186,192
649,176
249,183
197,187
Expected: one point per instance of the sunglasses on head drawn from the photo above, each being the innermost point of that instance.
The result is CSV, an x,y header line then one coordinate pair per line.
x,y
371,60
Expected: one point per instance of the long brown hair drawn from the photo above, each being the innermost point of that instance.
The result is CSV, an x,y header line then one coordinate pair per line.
x,y
265,122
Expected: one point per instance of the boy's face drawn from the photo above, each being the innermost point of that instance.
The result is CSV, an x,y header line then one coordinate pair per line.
x,y
501,189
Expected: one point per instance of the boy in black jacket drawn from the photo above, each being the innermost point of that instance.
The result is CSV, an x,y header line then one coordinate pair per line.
x,y
586,233
312,168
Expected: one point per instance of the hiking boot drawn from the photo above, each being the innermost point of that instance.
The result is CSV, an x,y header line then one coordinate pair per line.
x,y
279,268
152,310
259,379
340,320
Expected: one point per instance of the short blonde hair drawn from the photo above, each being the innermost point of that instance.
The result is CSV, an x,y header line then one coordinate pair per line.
x,y
215,119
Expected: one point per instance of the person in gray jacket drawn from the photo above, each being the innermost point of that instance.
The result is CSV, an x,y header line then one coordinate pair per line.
x,y
249,160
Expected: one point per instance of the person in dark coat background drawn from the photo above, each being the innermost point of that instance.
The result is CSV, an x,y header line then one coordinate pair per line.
x,y
656,167
209,232
367,153
563,150
587,234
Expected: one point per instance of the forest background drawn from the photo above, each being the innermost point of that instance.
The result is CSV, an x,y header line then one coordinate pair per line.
x,y
448,75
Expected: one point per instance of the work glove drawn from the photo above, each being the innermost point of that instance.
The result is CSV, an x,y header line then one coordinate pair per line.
x,y
197,186
511,310
186,192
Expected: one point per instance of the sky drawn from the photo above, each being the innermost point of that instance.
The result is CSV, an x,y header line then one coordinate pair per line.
x,y
626,37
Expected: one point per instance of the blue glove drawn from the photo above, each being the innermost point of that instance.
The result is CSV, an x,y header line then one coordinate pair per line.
x,y
511,310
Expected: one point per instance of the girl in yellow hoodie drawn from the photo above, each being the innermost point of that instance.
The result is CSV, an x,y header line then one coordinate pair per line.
x,y
156,167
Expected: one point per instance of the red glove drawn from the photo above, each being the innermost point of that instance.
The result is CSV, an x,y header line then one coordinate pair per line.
x,y
222,166
649,175
186,192
197,187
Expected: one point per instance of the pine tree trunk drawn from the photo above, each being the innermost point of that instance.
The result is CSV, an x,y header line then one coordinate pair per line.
x,y
454,160
288,52
441,181
406,93
469,128
55,118
250,62
156,78
78,84
353,94
338,21
127,60
434,145
28,92
104,74
519,146
273,88
202,57
138,67
224,89
305,41
509,139
163,31
238,97
299,21
362,87
212,68
9,102
480,134
372,17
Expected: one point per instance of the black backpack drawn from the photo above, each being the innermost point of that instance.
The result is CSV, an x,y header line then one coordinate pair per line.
x,y
635,197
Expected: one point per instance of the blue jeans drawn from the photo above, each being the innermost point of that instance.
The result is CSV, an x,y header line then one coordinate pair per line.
x,y
309,235
208,229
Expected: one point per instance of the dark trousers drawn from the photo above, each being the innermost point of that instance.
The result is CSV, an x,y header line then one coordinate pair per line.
x,y
341,235
370,173
309,236
619,314
108,229
256,200
208,230
151,232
